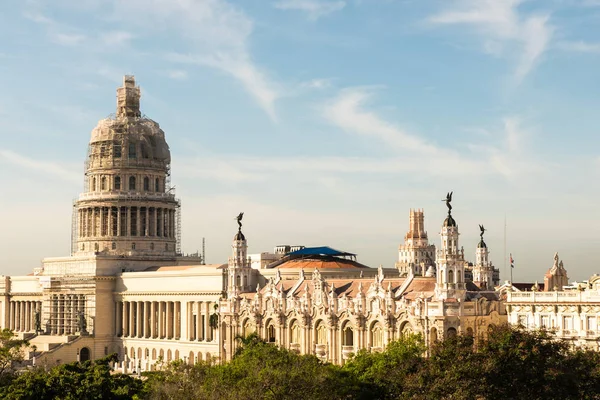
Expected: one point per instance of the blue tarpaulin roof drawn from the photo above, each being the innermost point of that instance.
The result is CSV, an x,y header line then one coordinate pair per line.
x,y
319,251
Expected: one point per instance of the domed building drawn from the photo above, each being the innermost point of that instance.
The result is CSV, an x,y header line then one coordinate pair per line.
x,y
127,288
128,206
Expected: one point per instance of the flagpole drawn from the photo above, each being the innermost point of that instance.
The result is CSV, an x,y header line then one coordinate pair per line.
x,y
505,248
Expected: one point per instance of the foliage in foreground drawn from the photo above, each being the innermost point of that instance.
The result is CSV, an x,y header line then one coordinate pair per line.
x,y
511,363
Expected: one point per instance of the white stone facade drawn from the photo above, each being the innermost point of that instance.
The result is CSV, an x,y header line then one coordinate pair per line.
x,y
126,288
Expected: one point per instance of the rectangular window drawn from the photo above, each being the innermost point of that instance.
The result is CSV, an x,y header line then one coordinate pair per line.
x,y
567,323
117,153
545,322
592,324
132,151
523,320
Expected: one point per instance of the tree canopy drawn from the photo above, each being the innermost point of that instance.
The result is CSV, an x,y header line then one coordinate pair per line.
x,y
510,363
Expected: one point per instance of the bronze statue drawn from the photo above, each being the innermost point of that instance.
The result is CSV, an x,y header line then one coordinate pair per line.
x,y
37,321
482,229
448,200
239,220
82,323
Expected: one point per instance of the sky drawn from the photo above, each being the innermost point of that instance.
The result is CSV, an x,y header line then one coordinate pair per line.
x,y
324,121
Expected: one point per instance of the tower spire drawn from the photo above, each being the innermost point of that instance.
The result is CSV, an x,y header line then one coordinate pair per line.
x,y
128,98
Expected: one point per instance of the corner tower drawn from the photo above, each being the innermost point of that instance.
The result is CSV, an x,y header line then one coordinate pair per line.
x,y
483,271
127,206
239,276
450,260
416,253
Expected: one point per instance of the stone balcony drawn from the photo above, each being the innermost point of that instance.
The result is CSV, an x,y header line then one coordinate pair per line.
x,y
347,352
320,350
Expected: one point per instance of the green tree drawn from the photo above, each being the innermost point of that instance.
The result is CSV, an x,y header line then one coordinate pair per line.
x,y
385,373
88,380
11,351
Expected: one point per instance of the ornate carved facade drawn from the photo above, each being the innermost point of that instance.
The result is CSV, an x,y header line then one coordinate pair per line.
x,y
126,287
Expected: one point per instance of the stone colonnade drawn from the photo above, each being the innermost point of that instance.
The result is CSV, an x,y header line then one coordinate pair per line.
x,y
21,315
65,310
163,320
101,221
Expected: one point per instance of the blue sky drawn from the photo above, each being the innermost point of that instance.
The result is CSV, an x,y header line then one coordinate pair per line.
x,y
325,121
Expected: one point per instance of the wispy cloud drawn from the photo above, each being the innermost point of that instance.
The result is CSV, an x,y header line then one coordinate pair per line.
x,y
501,26
316,84
43,167
177,74
67,39
116,38
580,47
217,35
505,154
314,9
347,112
211,33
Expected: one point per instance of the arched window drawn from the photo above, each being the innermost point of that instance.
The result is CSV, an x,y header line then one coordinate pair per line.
x,y
103,183
451,333
84,354
295,333
348,336
450,276
376,335
405,329
144,151
156,186
93,185
321,333
117,183
433,336
271,334
146,184
248,328
132,183
237,281
132,151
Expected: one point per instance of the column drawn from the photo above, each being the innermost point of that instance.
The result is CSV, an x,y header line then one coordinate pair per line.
x,y
101,227
94,225
166,223
119,221
22,316
138,324
13,315
207,329
190,316
153,332
156,230
172,228
27,316
109,229
199,335
169,325
161,323
139,222
118,318
128,221
125,318
178,320
131,329
147,230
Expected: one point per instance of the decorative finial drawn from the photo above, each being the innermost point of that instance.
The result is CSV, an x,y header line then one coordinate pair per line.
x,y
239,220
448,200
